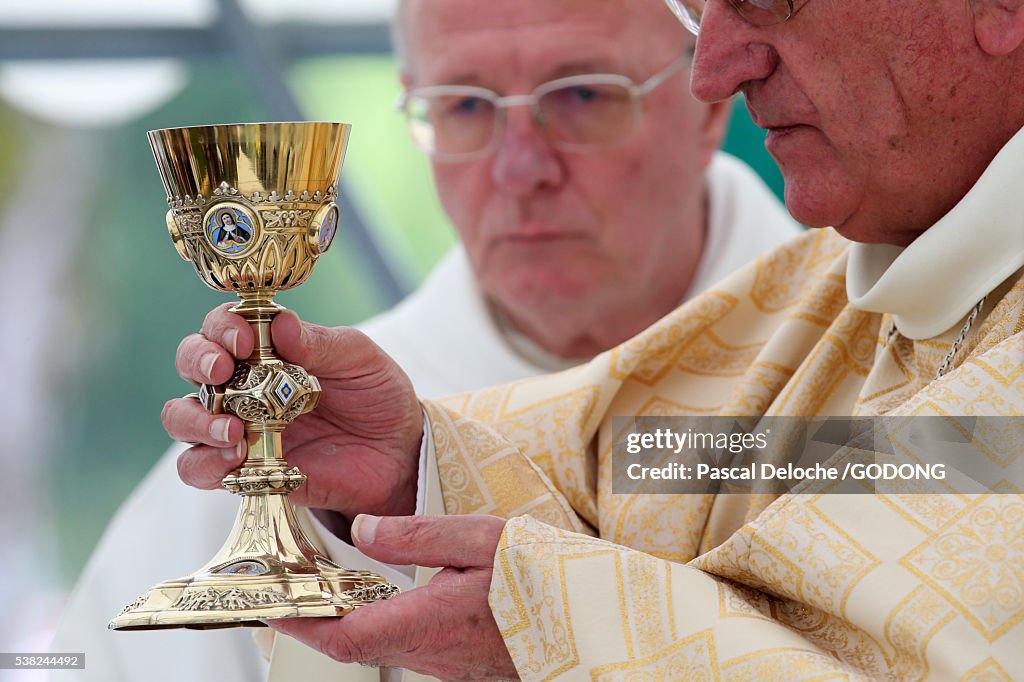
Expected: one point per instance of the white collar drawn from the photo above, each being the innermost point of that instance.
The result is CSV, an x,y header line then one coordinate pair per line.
x,y
933,283
528,349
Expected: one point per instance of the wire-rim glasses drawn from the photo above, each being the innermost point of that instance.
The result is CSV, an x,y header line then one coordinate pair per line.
x,y
587,111
756,12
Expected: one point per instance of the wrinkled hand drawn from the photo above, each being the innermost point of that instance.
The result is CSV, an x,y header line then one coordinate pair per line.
x,y
359,447
444,628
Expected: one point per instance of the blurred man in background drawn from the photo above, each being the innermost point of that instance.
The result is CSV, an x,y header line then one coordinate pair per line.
x,y
590,200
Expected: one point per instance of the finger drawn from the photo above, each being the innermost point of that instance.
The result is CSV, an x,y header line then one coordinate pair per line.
x,y
202,361
370,634
457,541
335,351
230,330
186,420
203,466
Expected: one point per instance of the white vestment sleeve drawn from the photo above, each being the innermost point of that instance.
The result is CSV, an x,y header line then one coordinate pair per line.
x,y
346,555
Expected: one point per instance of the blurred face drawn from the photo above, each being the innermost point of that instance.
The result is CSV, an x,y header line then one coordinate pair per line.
x,y
872,108
547,227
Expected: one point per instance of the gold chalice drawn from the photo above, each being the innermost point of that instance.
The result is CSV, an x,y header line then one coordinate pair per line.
x,y
252,206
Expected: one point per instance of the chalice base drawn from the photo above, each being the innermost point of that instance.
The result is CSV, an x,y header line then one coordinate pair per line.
x,y
267,569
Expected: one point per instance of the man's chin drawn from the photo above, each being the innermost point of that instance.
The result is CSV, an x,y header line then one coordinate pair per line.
x,y
856,227
547,290
873,234
820,194
808,209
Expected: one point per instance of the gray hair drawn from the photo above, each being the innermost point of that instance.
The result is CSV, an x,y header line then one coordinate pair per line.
x,y
400,35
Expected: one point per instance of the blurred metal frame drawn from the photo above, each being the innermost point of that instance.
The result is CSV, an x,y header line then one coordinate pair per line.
x,y
260,52
293,40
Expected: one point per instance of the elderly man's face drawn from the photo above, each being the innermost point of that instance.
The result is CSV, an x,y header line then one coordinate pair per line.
x,y
871,107
544,226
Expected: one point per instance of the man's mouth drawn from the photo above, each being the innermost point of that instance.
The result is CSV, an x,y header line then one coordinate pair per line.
x,y
537,234
776,133
777,128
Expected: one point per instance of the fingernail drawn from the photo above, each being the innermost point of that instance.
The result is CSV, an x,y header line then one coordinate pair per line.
x,y
231,339
219,429
207,363
364,528
232,455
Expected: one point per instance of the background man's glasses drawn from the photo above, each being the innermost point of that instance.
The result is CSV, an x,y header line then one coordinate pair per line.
x,y
462,122
757,12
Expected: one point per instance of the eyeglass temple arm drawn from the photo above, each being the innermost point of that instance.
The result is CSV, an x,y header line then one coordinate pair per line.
x,y
499,102
657,79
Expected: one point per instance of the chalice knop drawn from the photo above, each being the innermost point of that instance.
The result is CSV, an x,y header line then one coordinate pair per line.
x,y
252,206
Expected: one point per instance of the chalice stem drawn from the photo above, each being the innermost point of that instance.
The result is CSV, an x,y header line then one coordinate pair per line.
x,y
258,309
264,439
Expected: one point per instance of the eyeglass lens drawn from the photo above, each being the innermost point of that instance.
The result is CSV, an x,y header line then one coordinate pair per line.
x,y
757,12
587,114
452,124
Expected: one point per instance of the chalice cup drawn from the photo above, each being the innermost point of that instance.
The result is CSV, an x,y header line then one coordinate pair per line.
x,y
252,206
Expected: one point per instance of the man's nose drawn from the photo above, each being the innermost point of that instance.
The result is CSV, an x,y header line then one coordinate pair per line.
x,y
730,52
525,159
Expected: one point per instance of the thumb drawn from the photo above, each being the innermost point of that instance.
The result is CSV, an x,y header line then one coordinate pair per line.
x,y
324,351
436,541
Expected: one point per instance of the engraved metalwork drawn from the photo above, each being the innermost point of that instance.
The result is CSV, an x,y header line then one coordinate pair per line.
x,y
252,207
265,393
372,593
252,480
231,599
292,218
134,604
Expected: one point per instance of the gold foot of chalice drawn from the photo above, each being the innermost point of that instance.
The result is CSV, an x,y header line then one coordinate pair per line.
x,y
252,206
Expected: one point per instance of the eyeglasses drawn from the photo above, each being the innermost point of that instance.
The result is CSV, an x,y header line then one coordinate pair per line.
x,y
757,12
463,122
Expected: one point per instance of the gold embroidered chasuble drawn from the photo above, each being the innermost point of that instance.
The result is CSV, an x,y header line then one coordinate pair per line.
x,y
590,584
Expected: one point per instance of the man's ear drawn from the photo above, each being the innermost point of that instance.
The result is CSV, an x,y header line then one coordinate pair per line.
x,y
998,25
405,78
